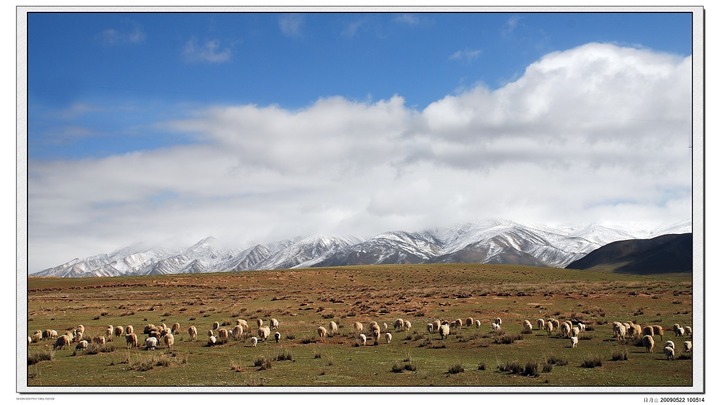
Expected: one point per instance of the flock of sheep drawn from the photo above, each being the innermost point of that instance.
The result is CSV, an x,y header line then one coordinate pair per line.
x,y
162,334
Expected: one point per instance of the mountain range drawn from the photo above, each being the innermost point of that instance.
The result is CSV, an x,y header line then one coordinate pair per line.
x,y
491,241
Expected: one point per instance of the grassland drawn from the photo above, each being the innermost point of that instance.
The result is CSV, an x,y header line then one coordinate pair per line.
x,y
304,299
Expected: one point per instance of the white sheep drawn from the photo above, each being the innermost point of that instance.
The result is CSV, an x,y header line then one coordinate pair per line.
x,y
263,333
444,330
237,332
540,324
495,326
619,331
688,346
385,327
456,323
169,340
658,331
216,325
211,340
362,339
82,345
61,342
99,340
175,329
399,324
333,328
436,325
109,332
430,328
679,331
549,328
469,322
648,330
274,323
119,331
357,327
376,336
37,336
254,341
575,331
581,326
669,352
129,329
224,335
322,332
388,337
407,325
670,343
498,321
374,326
565,329
192,332
527,326
80,329
477,323
259,322
574,341
648,342
244,324
277,337
151,343
688,331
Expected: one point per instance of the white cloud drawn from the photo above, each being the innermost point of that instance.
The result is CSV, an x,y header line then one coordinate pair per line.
x,y
132,35
466,55
407,19
291,24
209,52
598,133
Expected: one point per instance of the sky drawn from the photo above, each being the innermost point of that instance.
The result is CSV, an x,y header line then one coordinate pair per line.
x,y
254,127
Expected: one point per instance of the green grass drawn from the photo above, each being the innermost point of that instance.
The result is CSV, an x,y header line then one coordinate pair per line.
x,y
304,299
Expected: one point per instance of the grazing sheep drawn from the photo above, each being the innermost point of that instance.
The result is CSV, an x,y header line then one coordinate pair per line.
x,y
131,340
498,321
253,341
192,331
77,336
119,331
151,343
456,323
658,331
407,325
669,352
679,331
216,325
109,332
399,324
80,329
549,328
495,326
357,327
565,329
263,333
82,345
430,328
99,340
129,329
277,337
619,331
688,331
224,335
436,325
149,327
581,326
61,342
175,329
211,340
169,340
237,332
385,327
362,339
477,323
333,328
374,326
649,343
527,326
244,324
648,330
574,341
688,346
469,322
259,322
37,336
575,331
274,324
540,324
210,333
670,343
635,330
444,330
322,332
388,337
376,336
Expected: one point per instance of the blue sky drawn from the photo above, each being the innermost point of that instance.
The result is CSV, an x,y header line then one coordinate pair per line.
x,y
98,82
255,127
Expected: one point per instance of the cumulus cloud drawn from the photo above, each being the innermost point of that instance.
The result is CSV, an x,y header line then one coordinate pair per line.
x,y
598,133
209,52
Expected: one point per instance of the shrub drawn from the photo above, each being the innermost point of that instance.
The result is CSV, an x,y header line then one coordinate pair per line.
x,y
507,339
456,368
592,362
547,367
285,355
512,367
42,356
263,363
556,361
619,355
531,369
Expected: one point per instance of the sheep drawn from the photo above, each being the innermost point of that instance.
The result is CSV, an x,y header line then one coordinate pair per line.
x,y
224,335
322,332
237,332
274,324
357,327
635,330
688,330
77,336
669,352
619,331
436,325
263,333
82,345
362,339
549,328
430,328
192,331
119,331
277,337
385,327
374,327
376,336
333,328
244,324
388,337
149,327
131,340
565,329
151,343
210,333
80,328
175,329
495,326
253,341
670,343
407,325
456,323
49,334
688,346
581,326
679,331
29,340
469,322
574,341
129,329
169,340
477,323
36,337
216,325
444,330
658,331
61,342
211,340
540,324
648,330
99,340
399,324
109,332
575,331
259,322
649,343
527,326
498,321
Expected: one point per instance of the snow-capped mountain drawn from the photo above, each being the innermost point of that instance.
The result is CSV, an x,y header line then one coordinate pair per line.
x,y
494,241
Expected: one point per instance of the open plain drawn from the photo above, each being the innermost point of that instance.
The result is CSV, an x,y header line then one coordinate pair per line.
x,y
303,300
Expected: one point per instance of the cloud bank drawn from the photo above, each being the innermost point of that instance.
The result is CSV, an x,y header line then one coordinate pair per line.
x,y
598,133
